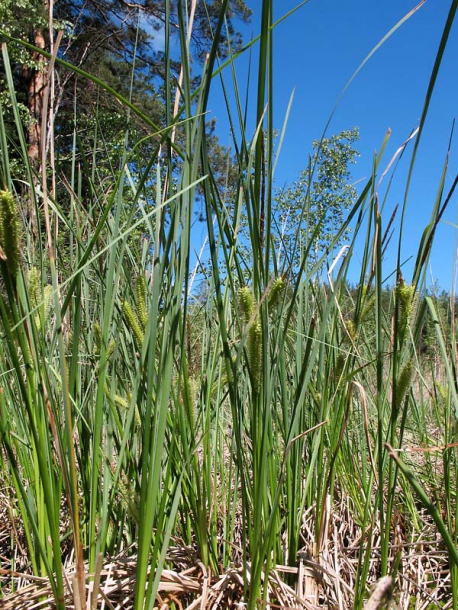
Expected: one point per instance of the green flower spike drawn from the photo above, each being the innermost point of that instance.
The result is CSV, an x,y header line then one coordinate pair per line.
x,y
405,295
133,322
276,292
404,381
141,300
254,339
9,232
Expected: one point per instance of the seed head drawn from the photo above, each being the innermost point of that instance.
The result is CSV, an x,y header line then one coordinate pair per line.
x,y
141,300
133,322
34,287
9,232
254,349
276,292
405,295
351,329
246,303
404,381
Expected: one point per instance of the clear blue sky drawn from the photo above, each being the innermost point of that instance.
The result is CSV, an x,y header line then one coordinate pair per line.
x,y
316,52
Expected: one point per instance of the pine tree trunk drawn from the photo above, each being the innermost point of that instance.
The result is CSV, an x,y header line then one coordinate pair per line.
x,y
35,77
36,91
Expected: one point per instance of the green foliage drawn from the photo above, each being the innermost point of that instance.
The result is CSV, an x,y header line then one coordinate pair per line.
x,y
19,19
318,201
124,48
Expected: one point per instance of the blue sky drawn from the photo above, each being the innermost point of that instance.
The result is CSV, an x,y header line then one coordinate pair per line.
x,y
316,52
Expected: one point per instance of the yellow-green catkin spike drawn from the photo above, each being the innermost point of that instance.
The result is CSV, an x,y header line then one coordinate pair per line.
x,y
405,295
97,346
254,349
124,403
443,389
276,292
254,339
141,300
34,292
351,329
133,322
189,393
47,299
368,308
246,303
10,232
34,287
340,363
38,297
97,338
404,381
129,499
121,402
110,349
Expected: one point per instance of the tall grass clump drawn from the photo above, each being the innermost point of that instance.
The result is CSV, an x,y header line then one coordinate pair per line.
x,y
275,438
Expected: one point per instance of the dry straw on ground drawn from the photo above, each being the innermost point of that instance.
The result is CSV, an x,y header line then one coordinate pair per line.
x,y
323,581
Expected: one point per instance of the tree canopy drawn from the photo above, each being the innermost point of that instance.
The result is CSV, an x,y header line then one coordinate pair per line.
x,y
317,201
118,41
